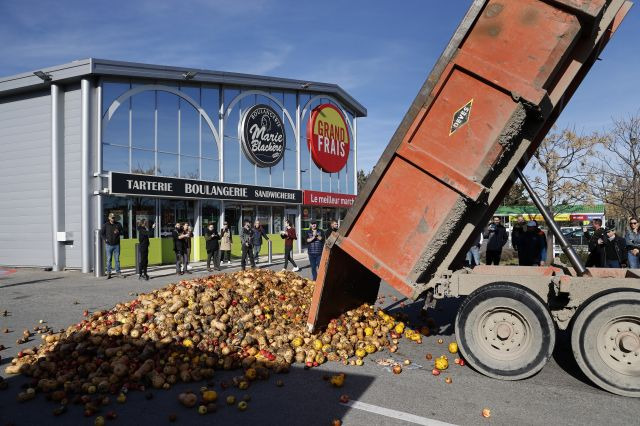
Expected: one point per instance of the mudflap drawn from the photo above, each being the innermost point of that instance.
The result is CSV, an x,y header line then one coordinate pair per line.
x,y
342,284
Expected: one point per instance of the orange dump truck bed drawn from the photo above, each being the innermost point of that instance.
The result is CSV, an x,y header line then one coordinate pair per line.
x,y
503,79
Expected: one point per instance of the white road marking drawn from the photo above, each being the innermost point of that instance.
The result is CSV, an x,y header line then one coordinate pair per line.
x,y
400,415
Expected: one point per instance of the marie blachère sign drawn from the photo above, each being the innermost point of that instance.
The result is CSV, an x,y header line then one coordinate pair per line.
x,y
157,186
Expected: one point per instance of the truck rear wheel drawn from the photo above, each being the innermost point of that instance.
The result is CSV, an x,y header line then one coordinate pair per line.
x,y
505,331
606,342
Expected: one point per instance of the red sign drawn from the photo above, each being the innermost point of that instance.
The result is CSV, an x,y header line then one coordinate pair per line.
x,y
328,138
317,198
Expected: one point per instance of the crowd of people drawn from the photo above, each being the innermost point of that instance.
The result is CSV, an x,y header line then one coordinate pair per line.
x,y
609,250
606,248
217,243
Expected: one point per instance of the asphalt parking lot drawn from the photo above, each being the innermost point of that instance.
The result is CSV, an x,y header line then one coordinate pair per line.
x,y
560,394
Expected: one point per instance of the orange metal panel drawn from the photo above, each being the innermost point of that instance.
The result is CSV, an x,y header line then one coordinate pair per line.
x,y
473,147
401,215
527,37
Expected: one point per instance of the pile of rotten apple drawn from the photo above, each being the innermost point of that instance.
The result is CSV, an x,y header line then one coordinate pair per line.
x,y
183,332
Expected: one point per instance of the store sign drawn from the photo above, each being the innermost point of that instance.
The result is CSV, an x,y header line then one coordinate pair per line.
x,y
317,198
328,138
578,217
263,136
156,186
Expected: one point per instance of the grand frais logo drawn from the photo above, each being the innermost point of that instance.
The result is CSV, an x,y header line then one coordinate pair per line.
x,y
263,135
328,138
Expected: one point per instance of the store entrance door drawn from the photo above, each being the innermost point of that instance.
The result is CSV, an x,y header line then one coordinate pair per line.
x,y
173,211
232,216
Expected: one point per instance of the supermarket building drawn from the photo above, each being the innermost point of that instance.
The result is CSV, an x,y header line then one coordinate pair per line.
x,y
166,144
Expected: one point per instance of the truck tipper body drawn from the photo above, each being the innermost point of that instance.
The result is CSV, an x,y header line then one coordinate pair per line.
x,y
498,87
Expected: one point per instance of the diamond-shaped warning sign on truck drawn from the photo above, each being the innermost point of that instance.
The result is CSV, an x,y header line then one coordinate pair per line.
x,y
460,117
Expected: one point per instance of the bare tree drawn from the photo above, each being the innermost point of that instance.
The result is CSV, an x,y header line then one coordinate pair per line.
x,y
517,196
561,171
617,173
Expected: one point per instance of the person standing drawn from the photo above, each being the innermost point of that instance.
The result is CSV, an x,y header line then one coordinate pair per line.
x,y
315,238
111,232
246,238
333,229
188,234
178,248
532,245
497,236
473,255
596,246
258,234
615,250
144,233
519,228
212,239
289,236
632,238
226,239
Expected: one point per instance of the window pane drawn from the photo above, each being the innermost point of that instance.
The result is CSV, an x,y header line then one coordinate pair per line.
x,y
210,102
110,92
210,214
172,211
143,162
209,146
142,120
189,167
247,168
115,159
263,216
210,170
167,122
167,165
278,217
192,91
189,133
143,209
117,129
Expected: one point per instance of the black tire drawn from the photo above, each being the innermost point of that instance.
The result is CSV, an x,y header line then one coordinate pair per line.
x,y
515,312
597,341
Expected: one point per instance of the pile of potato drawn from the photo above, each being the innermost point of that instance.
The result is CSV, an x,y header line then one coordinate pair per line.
x,y
255,320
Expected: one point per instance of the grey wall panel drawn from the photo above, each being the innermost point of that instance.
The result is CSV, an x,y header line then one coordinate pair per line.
x,y
25,180
72,173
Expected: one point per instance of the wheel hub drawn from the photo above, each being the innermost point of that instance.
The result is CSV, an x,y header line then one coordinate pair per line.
x,y
629,343
504,333
619,344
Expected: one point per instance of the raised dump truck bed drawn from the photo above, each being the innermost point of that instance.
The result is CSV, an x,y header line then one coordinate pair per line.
x,y
500,84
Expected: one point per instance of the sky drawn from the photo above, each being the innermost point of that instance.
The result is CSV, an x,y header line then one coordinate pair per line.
x,y
379,52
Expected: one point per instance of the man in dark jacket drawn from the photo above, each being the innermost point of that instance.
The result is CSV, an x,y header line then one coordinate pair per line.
x,y
258,234
333,229
246,239
315,239
212,239
144,233
596,245
615,250
519,228
497,236
111,232
532,246
179,247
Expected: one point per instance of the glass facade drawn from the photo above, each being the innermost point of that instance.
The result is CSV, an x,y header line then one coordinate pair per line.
x,y
160,131
164,128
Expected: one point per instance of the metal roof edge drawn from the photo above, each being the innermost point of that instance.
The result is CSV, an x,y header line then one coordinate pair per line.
x,y
96,66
